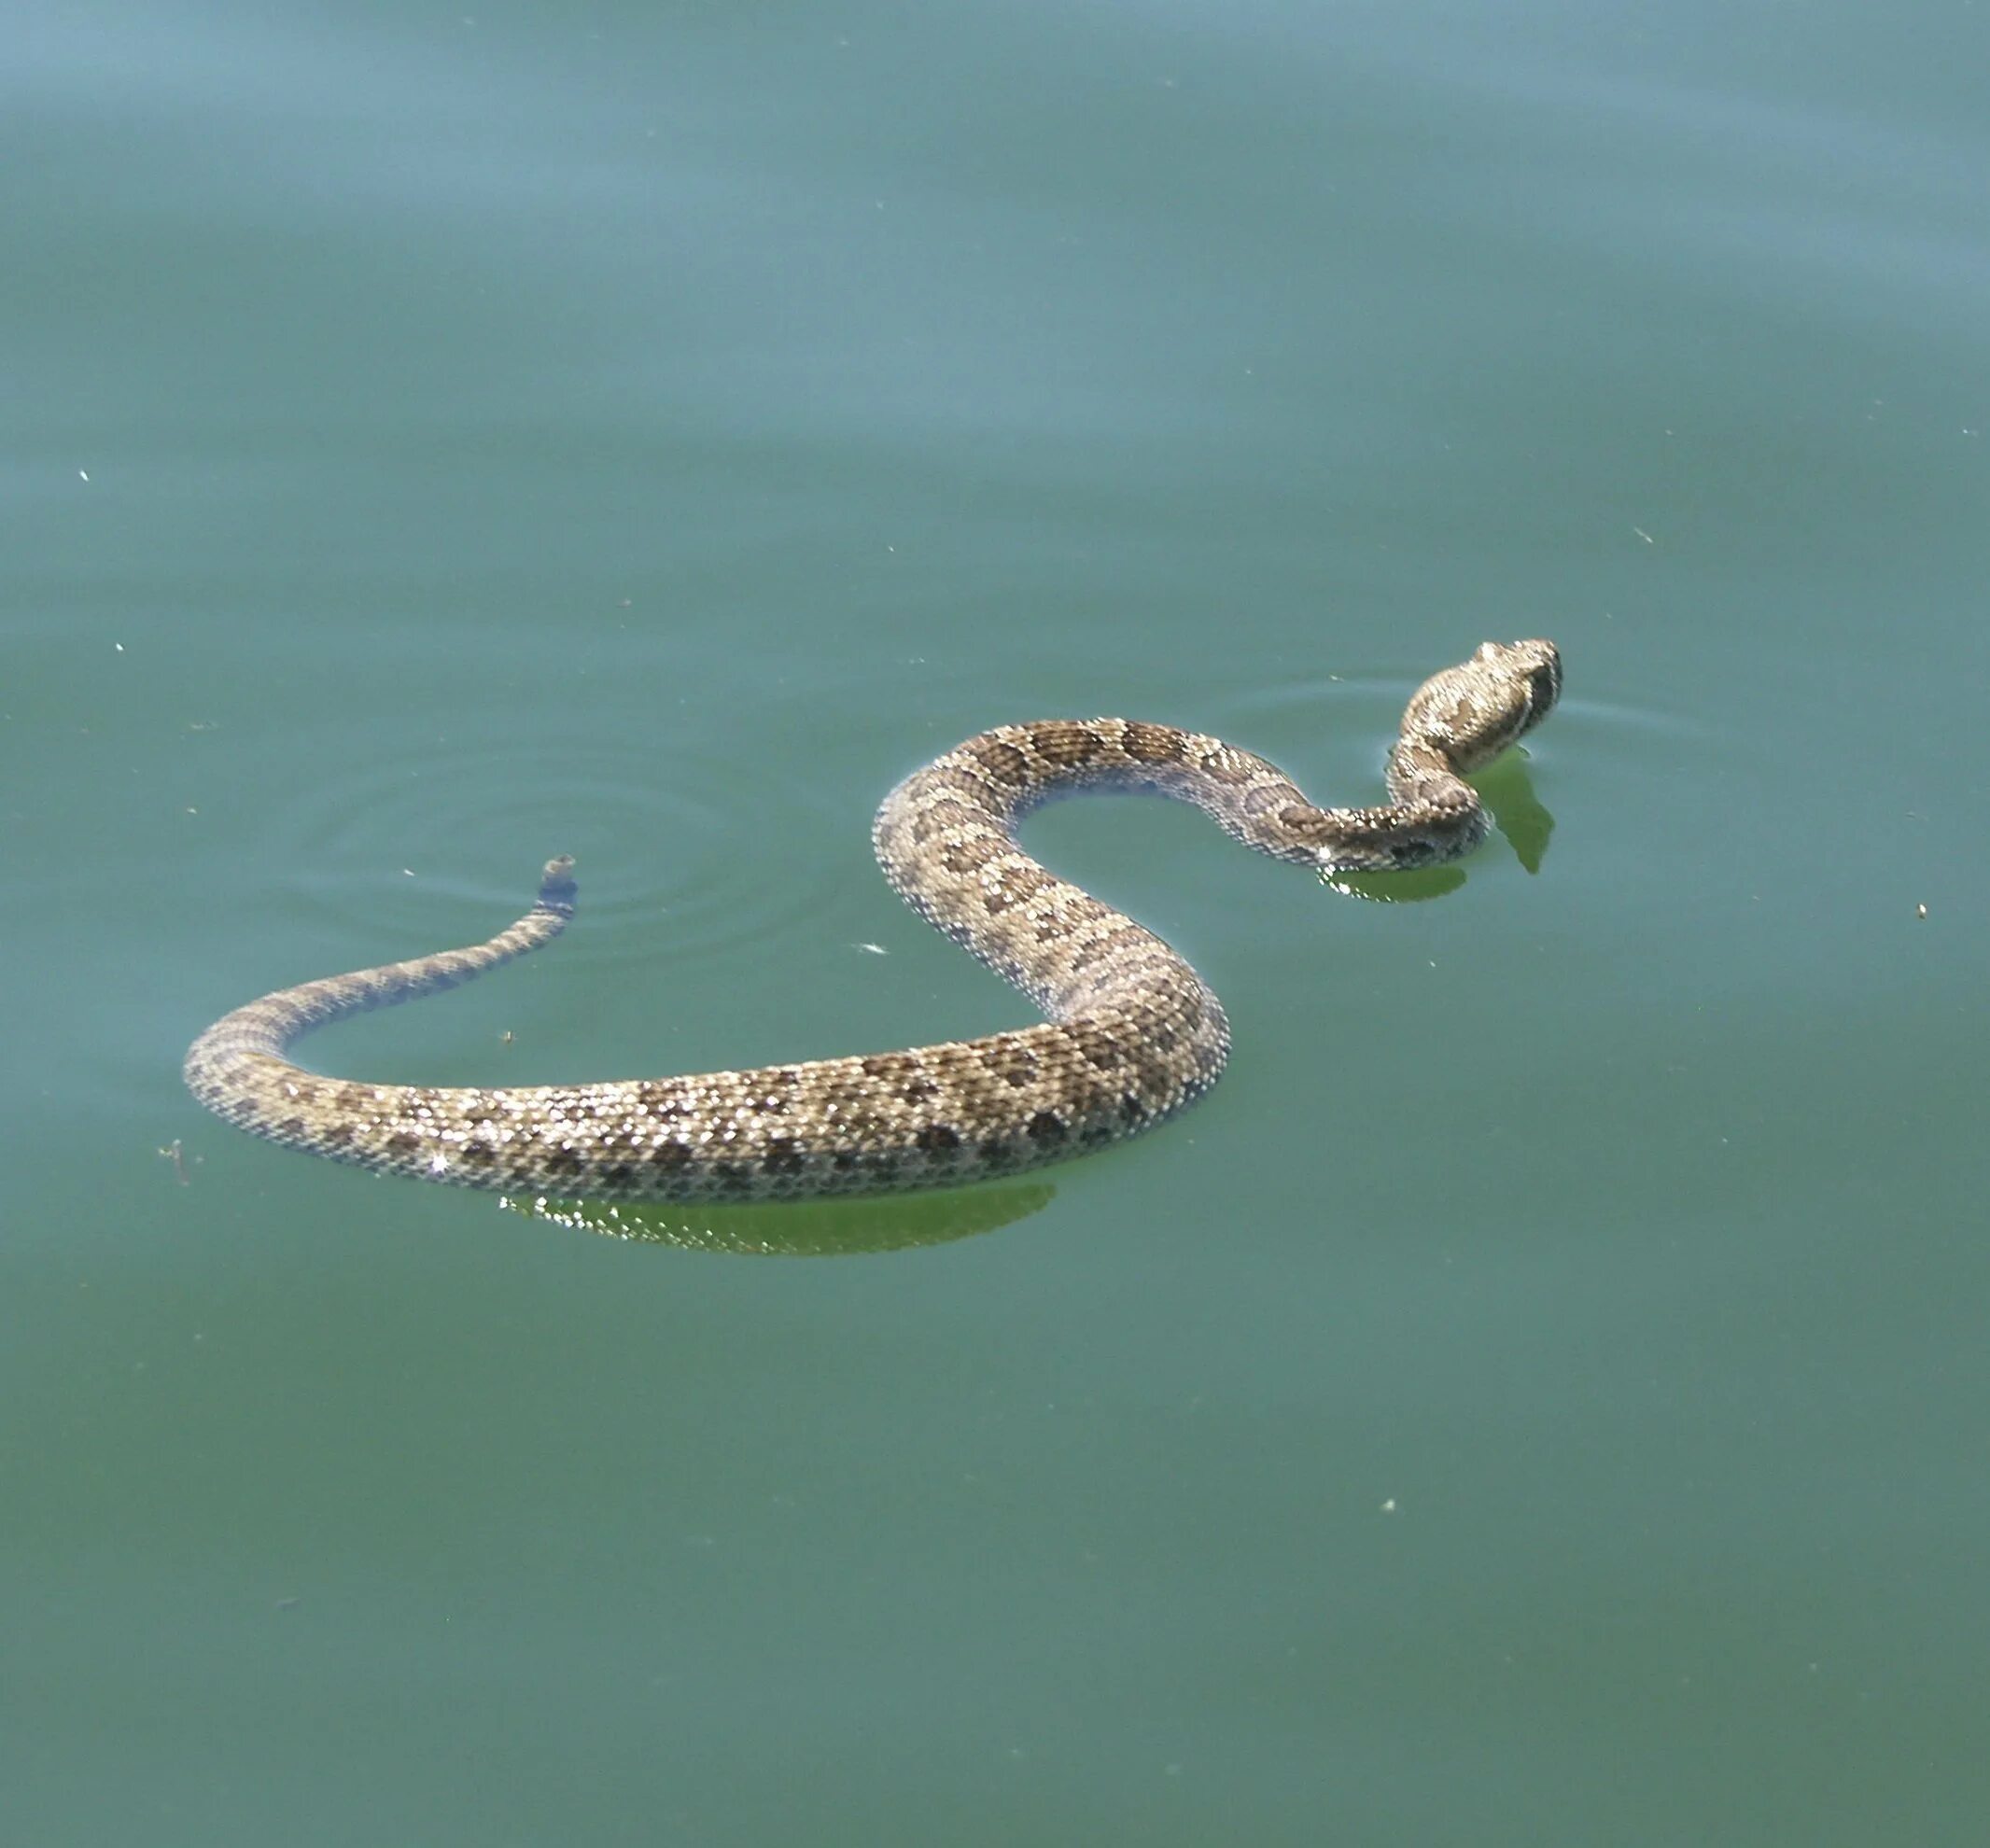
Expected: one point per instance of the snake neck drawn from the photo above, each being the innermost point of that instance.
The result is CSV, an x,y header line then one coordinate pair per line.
x,y
1433,815
1423,781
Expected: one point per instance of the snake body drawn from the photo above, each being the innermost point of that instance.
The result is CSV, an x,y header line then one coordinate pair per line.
x,y
1132,1033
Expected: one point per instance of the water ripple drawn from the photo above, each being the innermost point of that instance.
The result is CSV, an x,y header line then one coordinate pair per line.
x,y
663,838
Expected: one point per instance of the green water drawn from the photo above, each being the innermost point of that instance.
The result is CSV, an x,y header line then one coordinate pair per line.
x,y
1538,1398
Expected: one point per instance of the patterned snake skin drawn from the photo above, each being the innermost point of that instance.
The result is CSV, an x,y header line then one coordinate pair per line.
x,y
1132,1035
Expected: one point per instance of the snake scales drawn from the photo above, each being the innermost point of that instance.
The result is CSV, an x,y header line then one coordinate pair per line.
x,y
1132,1034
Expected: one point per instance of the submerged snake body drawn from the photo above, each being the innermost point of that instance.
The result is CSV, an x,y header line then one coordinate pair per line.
x,y
1133,1035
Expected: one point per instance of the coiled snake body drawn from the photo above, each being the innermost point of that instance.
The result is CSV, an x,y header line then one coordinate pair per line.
x,y
1132,1034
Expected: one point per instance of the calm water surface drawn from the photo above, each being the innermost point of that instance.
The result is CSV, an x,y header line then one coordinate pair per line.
x,y
1538,1399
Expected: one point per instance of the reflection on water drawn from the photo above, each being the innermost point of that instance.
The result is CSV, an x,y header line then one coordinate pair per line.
x,y
801,1228
1517,811
834,1228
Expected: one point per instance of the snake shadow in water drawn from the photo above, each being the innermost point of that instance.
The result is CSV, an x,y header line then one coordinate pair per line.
x,y
813,1228
898,1222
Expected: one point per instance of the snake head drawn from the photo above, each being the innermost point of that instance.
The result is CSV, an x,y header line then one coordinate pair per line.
x,y
1472,712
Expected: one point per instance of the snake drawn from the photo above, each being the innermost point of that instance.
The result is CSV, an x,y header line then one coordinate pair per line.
x,y
1132,1034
